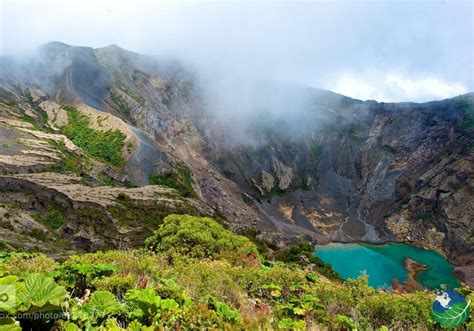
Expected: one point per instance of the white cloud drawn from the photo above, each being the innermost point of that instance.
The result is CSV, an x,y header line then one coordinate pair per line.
x,y
356,87
395,87
423,87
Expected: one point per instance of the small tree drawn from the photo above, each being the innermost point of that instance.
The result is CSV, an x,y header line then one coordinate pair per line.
x,y
199,237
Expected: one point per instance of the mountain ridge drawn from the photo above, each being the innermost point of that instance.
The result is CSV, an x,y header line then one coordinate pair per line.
x,y
298,165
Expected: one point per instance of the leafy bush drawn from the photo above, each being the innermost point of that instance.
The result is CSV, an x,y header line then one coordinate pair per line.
x,y
345,322
36,293
223,310
40,293
23,264
289,324
198,237
103,145
96,312
80,275
148,307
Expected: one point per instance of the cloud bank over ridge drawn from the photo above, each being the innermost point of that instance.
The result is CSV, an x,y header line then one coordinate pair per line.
x,y
388,51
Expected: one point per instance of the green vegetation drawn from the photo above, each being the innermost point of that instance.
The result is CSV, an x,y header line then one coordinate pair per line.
x,y
198,238
349,129
121,104
179,178
52,218
78,275
142,217
315,151
109,181
121,196
252,233
40,120
196,275
138,98
275,190
302,254
34,294
467,106
11,102
105,146
69,162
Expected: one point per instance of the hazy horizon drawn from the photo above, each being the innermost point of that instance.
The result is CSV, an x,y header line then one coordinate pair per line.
x,y
383,51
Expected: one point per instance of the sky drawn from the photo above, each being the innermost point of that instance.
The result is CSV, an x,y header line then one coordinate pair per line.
x,y
386,50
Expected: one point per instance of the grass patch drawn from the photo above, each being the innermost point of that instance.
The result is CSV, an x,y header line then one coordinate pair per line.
x,y
179,179
105,146
52,218
138,98
145,217
69,162
38,234
121,104
11,103
109,181
40,121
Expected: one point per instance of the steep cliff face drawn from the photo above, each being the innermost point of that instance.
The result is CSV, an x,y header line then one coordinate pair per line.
x,y
328,168
394,172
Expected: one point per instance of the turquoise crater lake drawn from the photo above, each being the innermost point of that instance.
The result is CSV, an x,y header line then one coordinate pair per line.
x,y
383,263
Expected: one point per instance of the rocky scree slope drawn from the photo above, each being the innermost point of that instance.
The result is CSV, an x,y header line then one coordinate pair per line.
x,y
341,169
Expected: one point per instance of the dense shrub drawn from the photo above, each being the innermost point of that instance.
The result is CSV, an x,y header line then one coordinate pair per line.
x,y
199,237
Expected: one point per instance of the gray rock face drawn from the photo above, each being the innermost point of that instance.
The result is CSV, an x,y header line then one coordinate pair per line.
x,y
283,173
85,79
63,72
146,159
268,181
